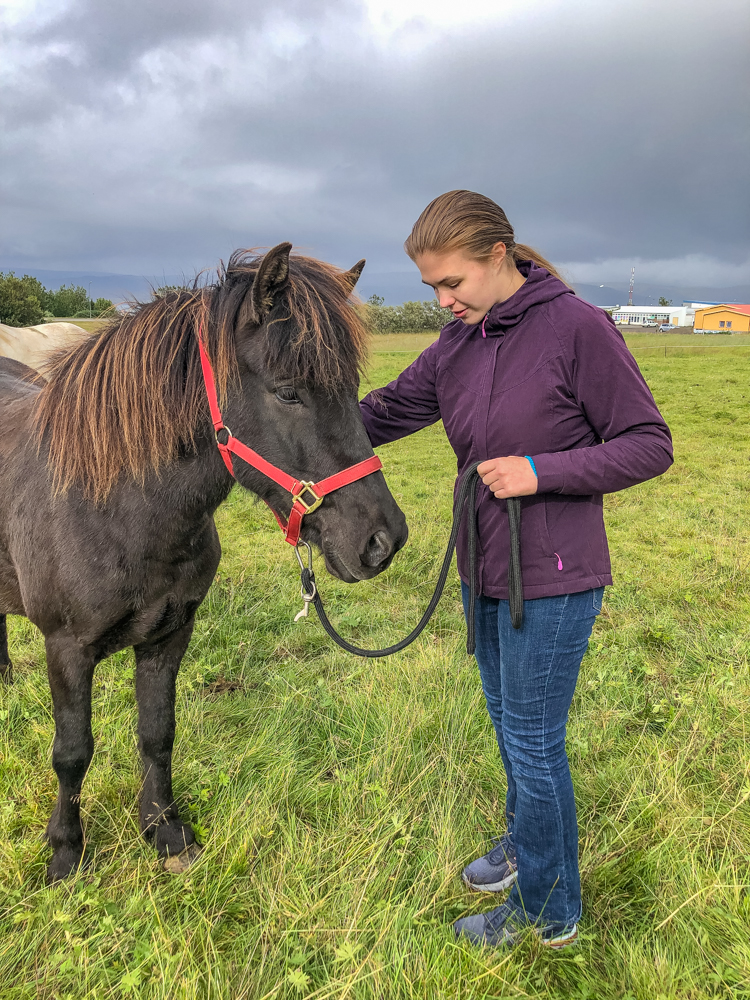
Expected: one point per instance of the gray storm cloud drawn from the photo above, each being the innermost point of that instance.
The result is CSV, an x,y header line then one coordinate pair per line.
x,y
146,137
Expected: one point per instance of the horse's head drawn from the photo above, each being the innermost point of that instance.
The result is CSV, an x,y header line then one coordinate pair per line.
x,y
300,345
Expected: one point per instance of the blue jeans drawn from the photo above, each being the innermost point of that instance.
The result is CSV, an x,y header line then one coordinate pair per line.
x,y
529,676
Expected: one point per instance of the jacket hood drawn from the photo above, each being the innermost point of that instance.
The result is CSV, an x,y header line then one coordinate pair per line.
x,y
540,286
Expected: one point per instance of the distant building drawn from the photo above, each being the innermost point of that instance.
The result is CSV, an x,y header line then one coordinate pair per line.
x,y
653,315
683,315
723,319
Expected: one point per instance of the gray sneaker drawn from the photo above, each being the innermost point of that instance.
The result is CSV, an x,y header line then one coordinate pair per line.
x,y
495,871
503,926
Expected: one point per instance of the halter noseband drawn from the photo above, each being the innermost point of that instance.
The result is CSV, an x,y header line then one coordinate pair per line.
x,y
306,496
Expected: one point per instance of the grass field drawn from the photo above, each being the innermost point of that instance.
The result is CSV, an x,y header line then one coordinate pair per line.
x,y
413,342
338,799
667,344
91,325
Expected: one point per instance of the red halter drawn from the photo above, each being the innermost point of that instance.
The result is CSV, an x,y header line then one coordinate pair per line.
x,y
306,496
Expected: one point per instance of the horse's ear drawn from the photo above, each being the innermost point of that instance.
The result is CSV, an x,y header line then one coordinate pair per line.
x,y
351,277
272,275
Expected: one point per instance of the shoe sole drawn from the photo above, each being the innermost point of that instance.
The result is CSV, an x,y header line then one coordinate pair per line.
x,y
506,883
562,941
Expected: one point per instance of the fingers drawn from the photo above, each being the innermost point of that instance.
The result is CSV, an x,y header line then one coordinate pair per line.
x,y
508,477
492,473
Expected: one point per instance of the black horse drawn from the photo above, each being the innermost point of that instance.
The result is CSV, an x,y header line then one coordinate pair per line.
x,y
110,476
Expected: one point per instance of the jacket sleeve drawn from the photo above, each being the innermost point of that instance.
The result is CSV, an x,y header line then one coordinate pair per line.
x,y
608,386
405,405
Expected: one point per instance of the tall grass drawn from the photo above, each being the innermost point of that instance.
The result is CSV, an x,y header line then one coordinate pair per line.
x,y
339,799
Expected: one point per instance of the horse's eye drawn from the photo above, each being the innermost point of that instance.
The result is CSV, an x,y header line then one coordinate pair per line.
x,y
287,394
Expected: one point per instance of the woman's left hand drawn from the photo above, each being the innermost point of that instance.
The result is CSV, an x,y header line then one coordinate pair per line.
x,y
508,477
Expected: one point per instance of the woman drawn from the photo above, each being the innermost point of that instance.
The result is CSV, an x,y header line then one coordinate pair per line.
x,y
540,387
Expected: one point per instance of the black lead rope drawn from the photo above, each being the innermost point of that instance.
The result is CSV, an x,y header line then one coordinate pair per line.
x,y
466,497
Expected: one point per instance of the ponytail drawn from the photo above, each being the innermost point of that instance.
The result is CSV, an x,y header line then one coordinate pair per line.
x,y
519,252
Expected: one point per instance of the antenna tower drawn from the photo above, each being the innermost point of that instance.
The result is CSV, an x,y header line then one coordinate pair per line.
x,y
632,282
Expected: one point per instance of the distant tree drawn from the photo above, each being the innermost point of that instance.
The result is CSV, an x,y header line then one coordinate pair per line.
x,y
664,302
22,300
163,290
68,300
102,307
376,300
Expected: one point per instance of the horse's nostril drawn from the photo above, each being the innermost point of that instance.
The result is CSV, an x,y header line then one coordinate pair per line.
x,y
378,549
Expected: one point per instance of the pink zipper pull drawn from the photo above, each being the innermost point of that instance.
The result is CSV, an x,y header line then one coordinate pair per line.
x,y
559,561
484,332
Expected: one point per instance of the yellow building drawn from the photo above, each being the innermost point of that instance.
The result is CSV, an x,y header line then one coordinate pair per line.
x,y
723,319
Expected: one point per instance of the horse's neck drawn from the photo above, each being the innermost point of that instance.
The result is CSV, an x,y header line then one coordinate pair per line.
x,y
196,484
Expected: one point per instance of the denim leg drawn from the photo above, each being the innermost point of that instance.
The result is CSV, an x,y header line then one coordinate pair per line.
x,y
488,660
539,666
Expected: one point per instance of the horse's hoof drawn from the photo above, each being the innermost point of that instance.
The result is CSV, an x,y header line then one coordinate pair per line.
x,y
65,862
173,838
181,862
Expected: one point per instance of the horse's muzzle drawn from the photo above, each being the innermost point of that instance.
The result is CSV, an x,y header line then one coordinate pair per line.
x,y
379,550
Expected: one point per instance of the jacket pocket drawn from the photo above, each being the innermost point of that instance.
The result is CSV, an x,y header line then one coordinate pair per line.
x,y
535,536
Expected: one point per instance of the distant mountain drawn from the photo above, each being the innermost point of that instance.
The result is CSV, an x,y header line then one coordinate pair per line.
x,y
649,293
394,286
116,287
403,286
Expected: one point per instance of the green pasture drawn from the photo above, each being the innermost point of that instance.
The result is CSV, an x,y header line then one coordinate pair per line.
x,y
666,344
338,799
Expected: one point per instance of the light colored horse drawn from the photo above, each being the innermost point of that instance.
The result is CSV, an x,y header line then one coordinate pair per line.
x,y
32,345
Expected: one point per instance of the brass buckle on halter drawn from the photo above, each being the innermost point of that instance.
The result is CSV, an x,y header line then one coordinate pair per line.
x,y
307,488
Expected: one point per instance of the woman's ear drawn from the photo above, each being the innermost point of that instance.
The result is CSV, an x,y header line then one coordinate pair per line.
x,y
499,255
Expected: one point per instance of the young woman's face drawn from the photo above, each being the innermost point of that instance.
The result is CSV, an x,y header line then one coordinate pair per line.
x,y
468,287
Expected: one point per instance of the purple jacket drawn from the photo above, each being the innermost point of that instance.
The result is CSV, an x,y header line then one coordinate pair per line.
x,y
552,379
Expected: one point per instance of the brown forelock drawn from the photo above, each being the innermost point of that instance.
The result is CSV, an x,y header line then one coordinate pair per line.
x,y
129,399
132,398
314,334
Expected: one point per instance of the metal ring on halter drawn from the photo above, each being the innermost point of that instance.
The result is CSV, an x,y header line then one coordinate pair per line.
x,y
229,434
311,596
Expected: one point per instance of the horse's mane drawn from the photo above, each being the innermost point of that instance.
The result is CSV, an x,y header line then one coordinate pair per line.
x,y
132,399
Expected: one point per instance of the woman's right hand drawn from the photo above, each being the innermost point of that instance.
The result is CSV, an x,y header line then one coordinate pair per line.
x,y
509,477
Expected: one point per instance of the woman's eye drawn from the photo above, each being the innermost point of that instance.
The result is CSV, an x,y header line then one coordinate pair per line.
x,y
287,394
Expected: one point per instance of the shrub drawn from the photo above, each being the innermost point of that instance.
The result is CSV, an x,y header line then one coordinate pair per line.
x,y
411,317
96,310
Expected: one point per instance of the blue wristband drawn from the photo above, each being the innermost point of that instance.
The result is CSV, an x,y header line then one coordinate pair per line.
x,y
530,460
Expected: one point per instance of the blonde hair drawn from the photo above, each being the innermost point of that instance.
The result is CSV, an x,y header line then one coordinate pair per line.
x,y
465,220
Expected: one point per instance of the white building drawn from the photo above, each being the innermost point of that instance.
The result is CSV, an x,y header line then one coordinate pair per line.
x,y
683,315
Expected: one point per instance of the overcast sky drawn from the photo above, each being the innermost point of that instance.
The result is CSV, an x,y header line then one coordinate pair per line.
x,y
155,136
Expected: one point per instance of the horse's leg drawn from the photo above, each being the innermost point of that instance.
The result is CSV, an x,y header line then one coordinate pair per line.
x,y
70,670
155,675
6,667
